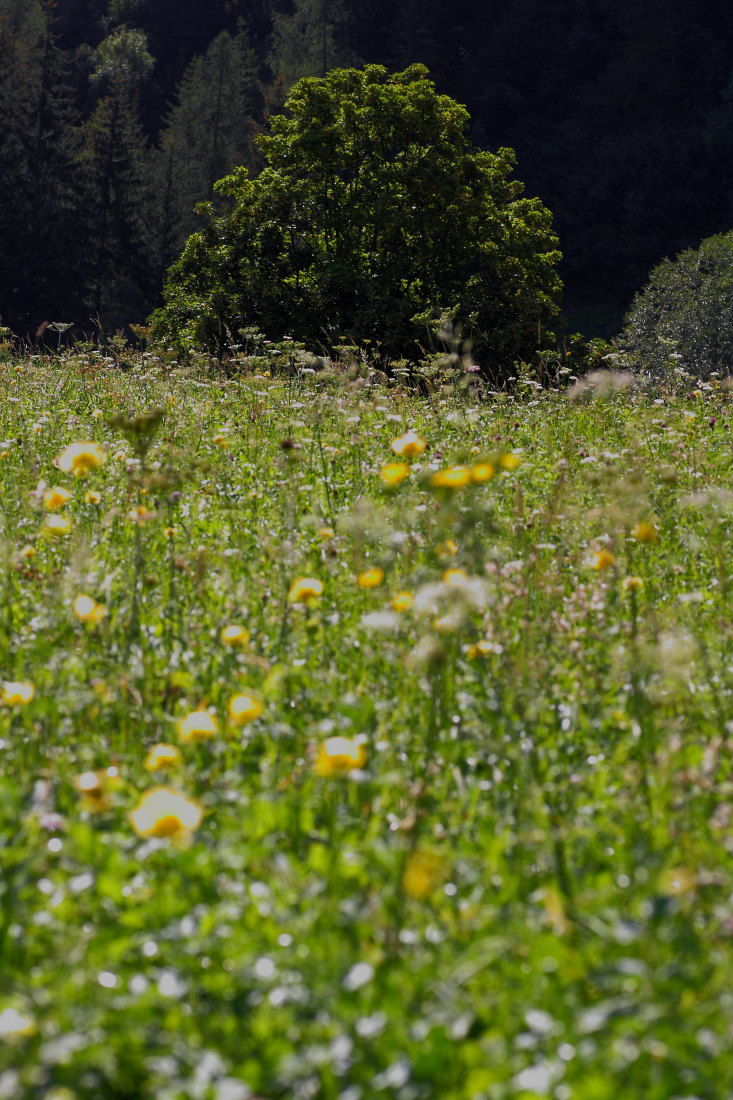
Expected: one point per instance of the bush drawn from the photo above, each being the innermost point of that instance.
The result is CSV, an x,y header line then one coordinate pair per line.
x,y
373,215
683,318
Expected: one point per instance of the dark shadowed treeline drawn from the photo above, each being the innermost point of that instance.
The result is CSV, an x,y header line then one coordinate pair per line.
x,y
116,116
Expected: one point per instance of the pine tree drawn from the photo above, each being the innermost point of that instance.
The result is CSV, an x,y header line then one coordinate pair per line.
x,y
310,40
39,140
117,205
208,132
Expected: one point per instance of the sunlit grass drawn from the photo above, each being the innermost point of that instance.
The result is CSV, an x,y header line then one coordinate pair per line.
x,y
360,744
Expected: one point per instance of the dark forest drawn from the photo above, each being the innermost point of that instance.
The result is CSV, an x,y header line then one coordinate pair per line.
x,y
117,116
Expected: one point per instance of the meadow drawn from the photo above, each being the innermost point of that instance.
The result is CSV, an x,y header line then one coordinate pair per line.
x,y
358,744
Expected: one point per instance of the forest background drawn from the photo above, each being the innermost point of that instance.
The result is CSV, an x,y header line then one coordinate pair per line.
x,y
117,116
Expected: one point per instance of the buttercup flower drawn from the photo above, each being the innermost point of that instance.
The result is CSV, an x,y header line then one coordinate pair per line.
x,y
198,725
604,559
645,532
454,477
87,610
166,812
326,533
244,708
339,756
162,756
16,693
482,471
409,445
28,552
305,589
454,576
447,549
393,473
56,527
423,873
632,584
80,458
140,514
55,498
401,601
235,635
95,788
482,648
92,497
510,461
370,578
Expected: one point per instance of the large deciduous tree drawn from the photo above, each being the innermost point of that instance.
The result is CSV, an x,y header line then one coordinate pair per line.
x,y
374,210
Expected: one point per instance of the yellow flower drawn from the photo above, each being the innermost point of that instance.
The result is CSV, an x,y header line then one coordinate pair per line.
x,y
166,812
645,532
16,693
326,533
447,549
423,873
169,532
409,445
454,576
370,578
198,725
393,473
221,440
28,552
305,589
235,635
4,454
92,497
402,601
97,414
482,648
339,756
87,610
510,461
482,471
95,787
140,514
454,477
244,708
55,498
632,584
56,527
162,756
16,1025
80,458
602,560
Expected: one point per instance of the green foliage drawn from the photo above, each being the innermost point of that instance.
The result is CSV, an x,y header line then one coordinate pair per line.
x,y
373,208
682,320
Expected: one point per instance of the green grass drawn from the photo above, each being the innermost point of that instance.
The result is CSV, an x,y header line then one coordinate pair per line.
x,y
526,889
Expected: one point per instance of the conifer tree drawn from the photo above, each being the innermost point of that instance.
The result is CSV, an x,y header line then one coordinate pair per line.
x,y
39,139
208,132
310,40
116,184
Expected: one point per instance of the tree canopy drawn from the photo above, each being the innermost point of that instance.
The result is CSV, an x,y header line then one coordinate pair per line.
x,y
373,214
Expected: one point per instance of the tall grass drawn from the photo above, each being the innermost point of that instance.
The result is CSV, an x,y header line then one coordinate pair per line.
x,y
511,879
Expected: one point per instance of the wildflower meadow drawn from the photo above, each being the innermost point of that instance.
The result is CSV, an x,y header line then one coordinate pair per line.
x,y
357,743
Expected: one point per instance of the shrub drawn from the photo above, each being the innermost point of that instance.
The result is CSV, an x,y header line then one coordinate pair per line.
x,y
373,213
683,317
